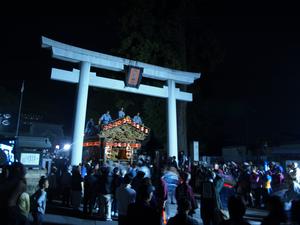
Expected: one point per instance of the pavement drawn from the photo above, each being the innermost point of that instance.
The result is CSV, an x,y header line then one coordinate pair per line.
x,y
59,215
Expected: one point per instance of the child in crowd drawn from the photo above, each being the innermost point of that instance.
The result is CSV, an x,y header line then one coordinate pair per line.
x,y
39,199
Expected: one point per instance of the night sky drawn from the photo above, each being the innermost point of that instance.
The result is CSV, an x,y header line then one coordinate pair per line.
x,y
259,74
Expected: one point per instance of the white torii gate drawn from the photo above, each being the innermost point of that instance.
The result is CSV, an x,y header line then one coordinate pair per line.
x,y
85,78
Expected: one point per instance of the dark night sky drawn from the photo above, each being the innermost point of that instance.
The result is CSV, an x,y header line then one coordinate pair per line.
x,y
260,69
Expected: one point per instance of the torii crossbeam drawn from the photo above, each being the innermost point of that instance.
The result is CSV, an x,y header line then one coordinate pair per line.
x,y
85,78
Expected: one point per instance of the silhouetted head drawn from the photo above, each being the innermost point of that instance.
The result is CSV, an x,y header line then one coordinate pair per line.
x,y
145,192
17,170
140,174
185,177
236,207
183,205
295,211
276,208
127,179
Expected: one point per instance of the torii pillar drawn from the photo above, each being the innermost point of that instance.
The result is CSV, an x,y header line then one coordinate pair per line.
x,y
82,96
172,121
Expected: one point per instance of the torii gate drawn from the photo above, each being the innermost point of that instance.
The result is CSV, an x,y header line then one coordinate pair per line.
x,y
85,78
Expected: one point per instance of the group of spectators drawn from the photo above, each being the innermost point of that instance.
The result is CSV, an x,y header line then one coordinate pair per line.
x,y
130,192
265,185
16,205
139,193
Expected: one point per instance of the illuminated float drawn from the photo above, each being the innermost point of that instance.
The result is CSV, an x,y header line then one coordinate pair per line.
x,y
117,141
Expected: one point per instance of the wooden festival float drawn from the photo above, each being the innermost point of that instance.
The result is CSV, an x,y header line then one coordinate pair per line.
x,y
117,141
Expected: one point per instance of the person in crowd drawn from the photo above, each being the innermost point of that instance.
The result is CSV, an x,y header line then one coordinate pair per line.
x,y
141,211
125,195
236,209
141,166
173,162
83,169
171,177
255,189
105,198
267,186
52,189
208,197
105,118
218,183
66,186
39,202
89,198
90,128
182,159
243,184
161,193
276,214
182,217
294,171
116,182
17,199
137,180
132,169
146,181
121,113
217,169
137,119
184,190
24,207
292,194
76,188
295,215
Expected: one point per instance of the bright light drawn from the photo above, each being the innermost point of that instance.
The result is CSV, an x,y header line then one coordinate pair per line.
x,y
67,147
7,147
56,146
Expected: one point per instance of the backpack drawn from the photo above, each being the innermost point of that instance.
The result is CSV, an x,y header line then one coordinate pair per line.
x,y
34,201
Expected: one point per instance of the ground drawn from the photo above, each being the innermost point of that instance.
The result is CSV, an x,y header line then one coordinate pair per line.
x,y
58,215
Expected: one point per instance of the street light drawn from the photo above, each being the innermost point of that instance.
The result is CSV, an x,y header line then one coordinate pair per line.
x,y
67,147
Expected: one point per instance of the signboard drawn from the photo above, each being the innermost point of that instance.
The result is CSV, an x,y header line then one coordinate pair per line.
x,y
30,159
133,76
196,150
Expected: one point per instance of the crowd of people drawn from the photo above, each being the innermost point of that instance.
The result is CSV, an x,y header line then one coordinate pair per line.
x,y
131,193
261,185
15,202
141,191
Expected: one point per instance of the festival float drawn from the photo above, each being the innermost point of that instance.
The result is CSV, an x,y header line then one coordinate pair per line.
x,y
117,141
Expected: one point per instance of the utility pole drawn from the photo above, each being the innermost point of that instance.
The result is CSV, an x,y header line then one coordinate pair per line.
x,y
20,109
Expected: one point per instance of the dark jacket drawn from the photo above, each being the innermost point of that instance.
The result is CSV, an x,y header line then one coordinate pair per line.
x,y
182,219
142,213
105,183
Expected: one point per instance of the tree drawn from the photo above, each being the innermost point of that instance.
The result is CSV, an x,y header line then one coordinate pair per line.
x,y
164,33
